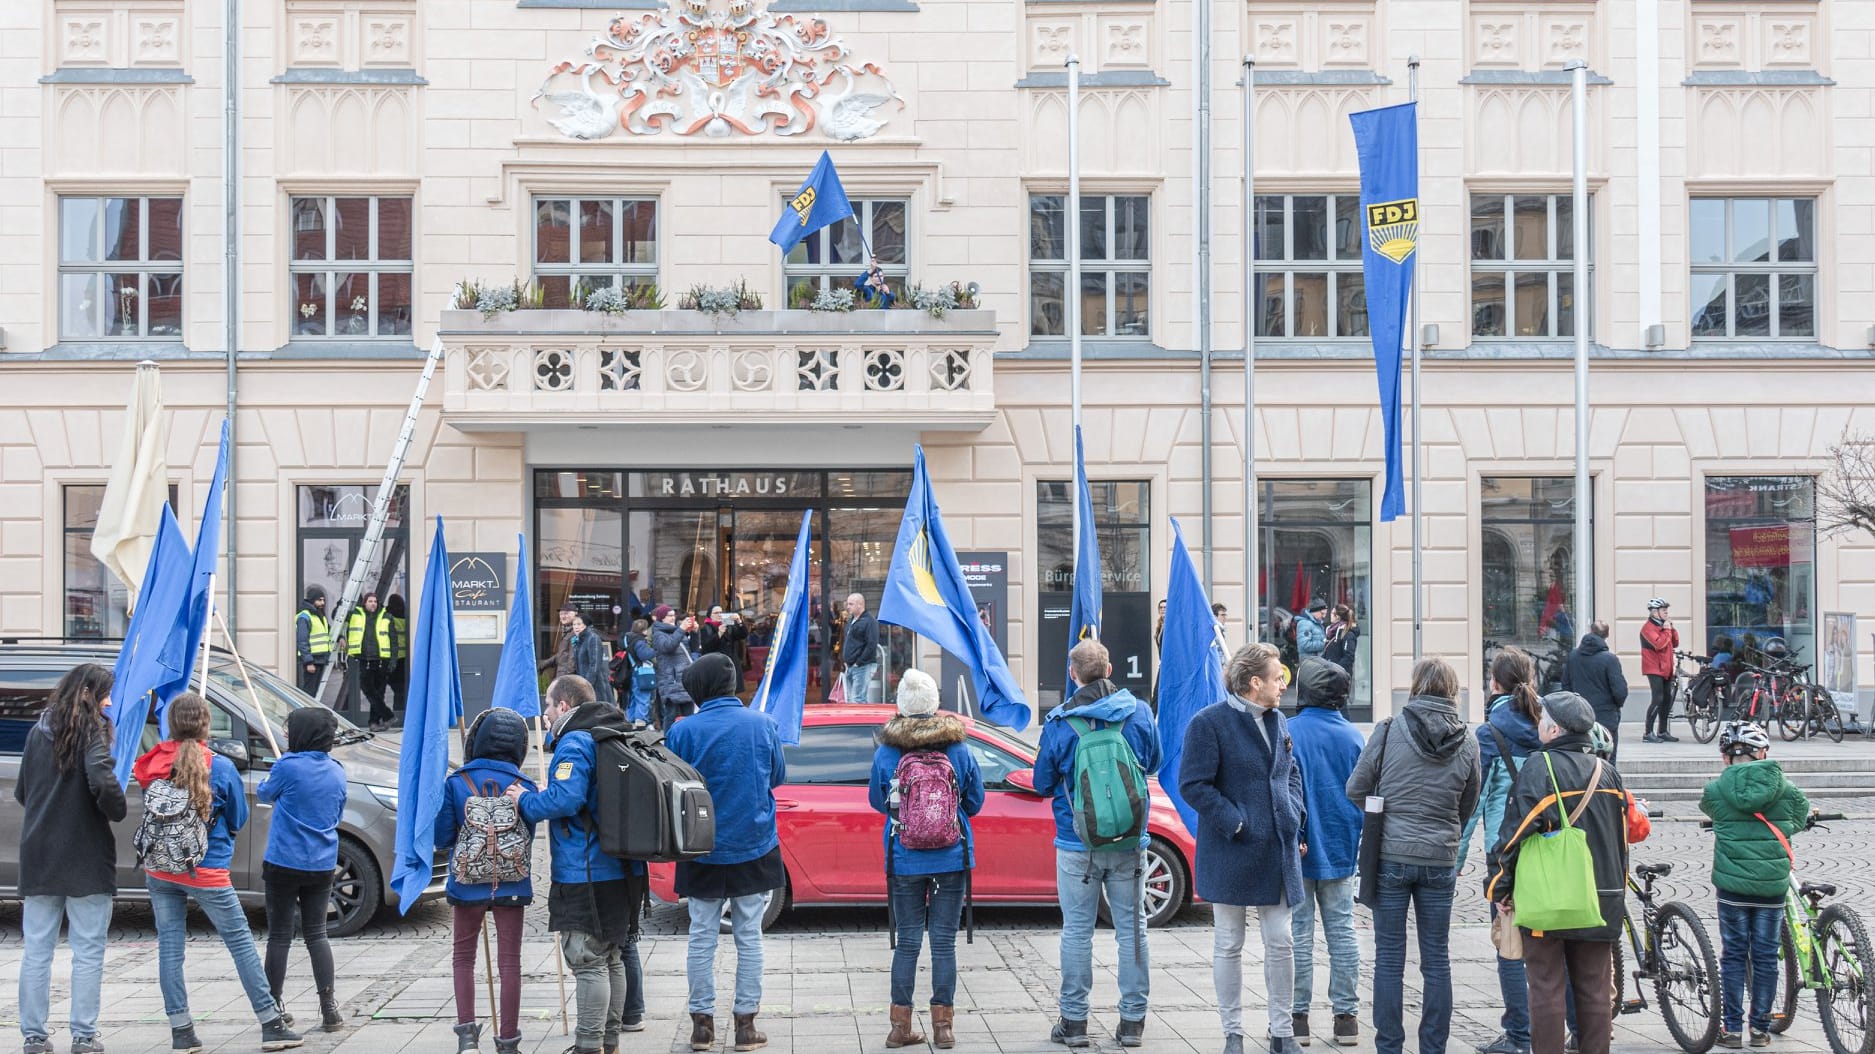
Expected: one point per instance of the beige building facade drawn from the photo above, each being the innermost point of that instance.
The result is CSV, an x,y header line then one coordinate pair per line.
x,y
393,150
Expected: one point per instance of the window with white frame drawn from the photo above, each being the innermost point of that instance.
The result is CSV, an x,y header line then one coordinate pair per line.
x,y
1523,266
351,267
120,268
1754,268
835,255
1308,266
584,243
1116,265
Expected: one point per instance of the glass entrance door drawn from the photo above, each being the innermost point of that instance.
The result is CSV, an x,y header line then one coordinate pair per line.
x,y
762,545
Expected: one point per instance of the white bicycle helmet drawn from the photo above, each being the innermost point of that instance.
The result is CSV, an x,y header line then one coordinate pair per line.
x,y
1743,738
1657,603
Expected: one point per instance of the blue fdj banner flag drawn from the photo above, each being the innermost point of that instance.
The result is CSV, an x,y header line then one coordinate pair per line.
x,y
820,201
783,692
1386,143
517,679
1191,667
201,582
432,707
925,592
156,646
1084,607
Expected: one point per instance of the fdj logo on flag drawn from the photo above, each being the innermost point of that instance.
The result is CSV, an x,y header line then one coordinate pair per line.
x,y
1393,228
803,204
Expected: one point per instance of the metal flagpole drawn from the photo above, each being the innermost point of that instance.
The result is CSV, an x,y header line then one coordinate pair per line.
x,y
231,270
1419,645
1201,263
559,952
208,617
1251,565
1583,548
381,507
1071,296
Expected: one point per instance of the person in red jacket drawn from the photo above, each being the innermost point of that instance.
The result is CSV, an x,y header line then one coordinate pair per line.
x,y
1658,641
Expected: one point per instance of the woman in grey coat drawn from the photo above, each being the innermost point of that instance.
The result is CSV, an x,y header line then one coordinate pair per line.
x,y
674,646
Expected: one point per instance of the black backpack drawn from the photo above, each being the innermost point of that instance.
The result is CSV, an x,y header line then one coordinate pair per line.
x,y
648,803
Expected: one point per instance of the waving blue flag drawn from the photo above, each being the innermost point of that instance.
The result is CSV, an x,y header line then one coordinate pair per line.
x,y
1084,608
820,201
201,583
925,592
517,679
783,692
1191,667
1386,143
156,646
433,706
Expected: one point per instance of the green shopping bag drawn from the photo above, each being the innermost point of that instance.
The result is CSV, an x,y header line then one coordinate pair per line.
x,y
1555,879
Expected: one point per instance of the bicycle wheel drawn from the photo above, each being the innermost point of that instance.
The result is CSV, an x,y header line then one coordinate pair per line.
x,y
1620,951
1793,713
1786,1013
1828,717
1704,718
1843,1001
1686,978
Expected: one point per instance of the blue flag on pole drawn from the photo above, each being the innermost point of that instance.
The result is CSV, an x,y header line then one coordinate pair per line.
x,y
201,583
1191,667
1386,143
517,679
783,692
433,706
156,646
925,592
820,201
1084,608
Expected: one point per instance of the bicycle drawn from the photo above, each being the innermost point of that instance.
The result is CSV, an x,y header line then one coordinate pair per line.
x,y
1767,687
1673,950
1807,708
1701,714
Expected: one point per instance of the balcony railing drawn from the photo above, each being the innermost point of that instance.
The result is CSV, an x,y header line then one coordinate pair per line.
x,y
524,369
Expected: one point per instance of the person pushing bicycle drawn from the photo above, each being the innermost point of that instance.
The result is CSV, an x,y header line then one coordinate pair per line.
x,y
1754,810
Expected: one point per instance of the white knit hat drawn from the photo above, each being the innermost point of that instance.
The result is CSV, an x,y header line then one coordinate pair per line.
x,y
917,694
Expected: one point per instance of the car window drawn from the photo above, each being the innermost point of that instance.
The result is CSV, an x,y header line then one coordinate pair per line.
x,y
23,696
995,764
221,725
832,754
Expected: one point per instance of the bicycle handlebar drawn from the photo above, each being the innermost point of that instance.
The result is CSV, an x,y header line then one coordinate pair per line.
x,y
1656,814
1813,820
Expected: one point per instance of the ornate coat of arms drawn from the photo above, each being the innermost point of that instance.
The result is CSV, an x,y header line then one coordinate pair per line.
x,y
694,70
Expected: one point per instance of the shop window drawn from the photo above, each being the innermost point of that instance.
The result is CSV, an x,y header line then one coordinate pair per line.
x,y
582,244
1123,520
1761,561
1116,265
351,267
120,268
1528,570
1316,543
1754,267
1308,266
95,601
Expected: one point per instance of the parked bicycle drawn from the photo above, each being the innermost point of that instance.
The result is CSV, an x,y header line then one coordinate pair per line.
x,y
1672,949
1701,690
1807,708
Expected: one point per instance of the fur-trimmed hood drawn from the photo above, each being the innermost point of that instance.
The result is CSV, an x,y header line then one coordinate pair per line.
x,y
935,732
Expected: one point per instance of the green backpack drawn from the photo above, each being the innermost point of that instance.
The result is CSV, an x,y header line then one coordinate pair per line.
x,y
1555,878
1108,796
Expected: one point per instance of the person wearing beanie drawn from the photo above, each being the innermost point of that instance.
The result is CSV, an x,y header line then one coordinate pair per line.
x,y
918,750
1327,745
312,639
1560,776
497,745
738,753
675,643
306,788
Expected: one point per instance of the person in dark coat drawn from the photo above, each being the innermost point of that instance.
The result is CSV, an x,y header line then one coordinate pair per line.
x,y
1344,639
561,663
675,646
1327,748
69,797
1239,773
1594,673
860,650
591,659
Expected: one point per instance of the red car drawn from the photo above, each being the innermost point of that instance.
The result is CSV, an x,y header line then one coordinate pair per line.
x,y
832,840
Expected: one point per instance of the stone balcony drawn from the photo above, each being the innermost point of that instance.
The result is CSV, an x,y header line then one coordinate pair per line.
x,y
525,370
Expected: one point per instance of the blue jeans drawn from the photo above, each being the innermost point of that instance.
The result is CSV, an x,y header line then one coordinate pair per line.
x,y
920,903
1336,897
169,902
1428,891
90,919
859,682
1515,990
745,924
1748,939
1079,879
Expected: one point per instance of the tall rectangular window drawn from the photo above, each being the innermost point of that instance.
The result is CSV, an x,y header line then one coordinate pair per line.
x,y
1308,266
120,268
1523,265
351,267
95,601
1761,561
1315,544
1123,520
581,244
1116,265
1528,562
835,255
1754,268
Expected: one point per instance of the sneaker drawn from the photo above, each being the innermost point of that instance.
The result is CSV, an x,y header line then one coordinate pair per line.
x,y
1731,1041
1131,1033
1668,737
182,1041
1650,738
1503,1044
274,1035
87,1045
1233,1044
1300,1022
39,1045
632,1024
1760,1038
469,1037
1070,1033
1348,1031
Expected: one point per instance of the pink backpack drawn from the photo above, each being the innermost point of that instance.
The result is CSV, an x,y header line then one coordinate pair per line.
x,y
925,800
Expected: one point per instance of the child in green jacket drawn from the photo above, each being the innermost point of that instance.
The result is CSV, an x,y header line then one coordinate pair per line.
x,y
1754,811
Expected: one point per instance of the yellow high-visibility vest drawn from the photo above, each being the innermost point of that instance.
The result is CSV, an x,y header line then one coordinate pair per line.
x,y
355,635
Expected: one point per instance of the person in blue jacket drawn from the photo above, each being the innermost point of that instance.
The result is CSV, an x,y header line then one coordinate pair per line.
x,y
738,753
307,791
1327,745
1080,875
595,900
928,885
497,745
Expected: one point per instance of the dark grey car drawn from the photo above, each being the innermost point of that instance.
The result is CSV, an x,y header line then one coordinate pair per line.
x,y
367,831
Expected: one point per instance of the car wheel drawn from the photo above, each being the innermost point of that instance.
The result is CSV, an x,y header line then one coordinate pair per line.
x,y
357,890
775,903
1167,885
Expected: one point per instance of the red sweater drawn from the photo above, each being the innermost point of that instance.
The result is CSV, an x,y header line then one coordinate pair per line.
x,y
1658,639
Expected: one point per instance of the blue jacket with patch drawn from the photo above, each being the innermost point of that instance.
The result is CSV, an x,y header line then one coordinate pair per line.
x,y
738,752
1054,761
567,801
307,791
